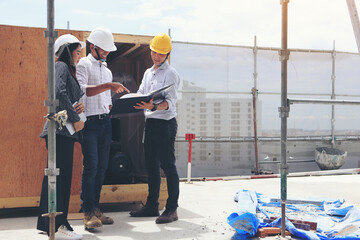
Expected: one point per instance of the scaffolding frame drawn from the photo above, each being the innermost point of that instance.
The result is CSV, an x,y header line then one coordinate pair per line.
x,y
51,171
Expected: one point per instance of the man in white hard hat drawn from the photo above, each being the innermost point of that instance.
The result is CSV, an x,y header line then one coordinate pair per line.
x,y
160,132
95,80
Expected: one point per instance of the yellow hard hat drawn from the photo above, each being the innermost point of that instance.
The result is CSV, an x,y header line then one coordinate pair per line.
x,y
161,43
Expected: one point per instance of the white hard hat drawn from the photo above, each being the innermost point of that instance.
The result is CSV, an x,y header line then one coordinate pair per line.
x,y
64,40
102,38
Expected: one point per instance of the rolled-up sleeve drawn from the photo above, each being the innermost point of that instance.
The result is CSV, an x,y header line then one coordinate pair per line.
x,y
171,97
82,74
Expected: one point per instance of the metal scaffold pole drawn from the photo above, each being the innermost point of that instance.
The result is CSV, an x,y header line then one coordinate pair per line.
x,y
51,171
284,111
254,91
354,21
333,77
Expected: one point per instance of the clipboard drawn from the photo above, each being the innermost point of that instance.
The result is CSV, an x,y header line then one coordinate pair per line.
x,y
126,103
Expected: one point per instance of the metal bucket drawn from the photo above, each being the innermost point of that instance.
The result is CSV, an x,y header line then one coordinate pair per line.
x,y
329,158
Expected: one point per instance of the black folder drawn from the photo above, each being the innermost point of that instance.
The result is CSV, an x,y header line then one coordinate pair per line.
x,y
126,103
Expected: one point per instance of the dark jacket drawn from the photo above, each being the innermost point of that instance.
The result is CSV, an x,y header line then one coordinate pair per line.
x,y
67,91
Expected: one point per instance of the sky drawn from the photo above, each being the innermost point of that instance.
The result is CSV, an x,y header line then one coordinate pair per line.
x,y
313,24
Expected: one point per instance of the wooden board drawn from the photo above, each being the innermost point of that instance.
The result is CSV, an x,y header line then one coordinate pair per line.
x,y
23,154
109,194
24,90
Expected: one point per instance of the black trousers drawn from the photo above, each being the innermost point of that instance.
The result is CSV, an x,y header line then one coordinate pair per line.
x,y
160,153
64,161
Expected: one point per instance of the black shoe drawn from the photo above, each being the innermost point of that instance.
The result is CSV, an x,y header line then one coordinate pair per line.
x,y
145,212
167,216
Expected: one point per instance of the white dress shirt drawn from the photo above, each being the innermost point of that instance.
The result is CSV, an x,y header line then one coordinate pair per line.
x,y
156,79
90,71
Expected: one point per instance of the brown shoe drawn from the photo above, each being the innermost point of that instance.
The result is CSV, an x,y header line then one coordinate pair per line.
x,y
145,211
104,219
91,221
167,216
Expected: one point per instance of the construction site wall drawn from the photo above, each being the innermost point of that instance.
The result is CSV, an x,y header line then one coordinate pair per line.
x,y
23,154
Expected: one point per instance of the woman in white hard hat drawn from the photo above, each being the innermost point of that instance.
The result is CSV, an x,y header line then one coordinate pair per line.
x,y
160,132
96,81
68,92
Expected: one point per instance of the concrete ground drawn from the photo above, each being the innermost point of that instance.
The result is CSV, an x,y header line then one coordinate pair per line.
x,y
203,210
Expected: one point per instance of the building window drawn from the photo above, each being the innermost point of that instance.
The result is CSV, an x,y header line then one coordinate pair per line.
x,y
235,152
235,128
235,134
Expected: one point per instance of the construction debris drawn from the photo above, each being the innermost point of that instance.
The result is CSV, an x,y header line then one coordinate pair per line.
x,y
270,231
328,220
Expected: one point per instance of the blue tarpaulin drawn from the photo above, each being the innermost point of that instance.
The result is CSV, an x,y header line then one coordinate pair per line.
x,y
333,220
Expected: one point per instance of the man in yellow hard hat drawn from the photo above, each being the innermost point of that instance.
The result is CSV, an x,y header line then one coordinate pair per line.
x,y
160,131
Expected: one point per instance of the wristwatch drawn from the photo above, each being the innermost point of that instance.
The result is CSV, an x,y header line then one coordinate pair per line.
x,y
154,108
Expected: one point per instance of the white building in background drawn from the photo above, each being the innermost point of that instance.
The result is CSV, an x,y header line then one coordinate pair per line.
x,y
215,117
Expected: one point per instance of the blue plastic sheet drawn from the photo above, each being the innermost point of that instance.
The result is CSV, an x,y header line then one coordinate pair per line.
x,y
245,221
333,220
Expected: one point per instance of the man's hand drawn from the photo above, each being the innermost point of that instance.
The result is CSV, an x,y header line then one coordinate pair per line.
x,y
92,90
79,107
79,125
117,87
145,105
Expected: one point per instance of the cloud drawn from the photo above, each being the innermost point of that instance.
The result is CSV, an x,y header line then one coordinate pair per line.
x,y
82,12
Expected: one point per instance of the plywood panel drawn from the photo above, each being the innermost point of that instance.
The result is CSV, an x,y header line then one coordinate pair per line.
x,y
109,194
23,67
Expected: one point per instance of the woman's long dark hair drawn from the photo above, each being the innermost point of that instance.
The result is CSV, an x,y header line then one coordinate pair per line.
x,y
67,59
